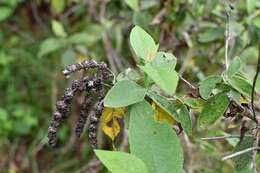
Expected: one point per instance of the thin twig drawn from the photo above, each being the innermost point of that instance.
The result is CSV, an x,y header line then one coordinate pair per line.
x,y
240,153
254,84
189,159
187,82
227,38
220,137
38,19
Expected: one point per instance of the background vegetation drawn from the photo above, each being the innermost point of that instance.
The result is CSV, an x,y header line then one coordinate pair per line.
x,y
39,37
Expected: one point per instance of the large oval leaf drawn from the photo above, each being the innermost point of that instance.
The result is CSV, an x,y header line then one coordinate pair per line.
x,y
124,93
213,109
155,143
119,162
142,43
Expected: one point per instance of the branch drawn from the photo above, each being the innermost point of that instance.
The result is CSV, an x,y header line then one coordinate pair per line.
x,y
38,19
256,133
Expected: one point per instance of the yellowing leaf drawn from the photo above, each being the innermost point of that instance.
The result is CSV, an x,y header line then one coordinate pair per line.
x,y
109,121
162,116
243,100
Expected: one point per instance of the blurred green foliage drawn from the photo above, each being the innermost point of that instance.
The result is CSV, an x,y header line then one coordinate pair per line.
x,y
39,37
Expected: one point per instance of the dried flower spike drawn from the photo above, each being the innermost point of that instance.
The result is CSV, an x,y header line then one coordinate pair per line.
x,y
90,85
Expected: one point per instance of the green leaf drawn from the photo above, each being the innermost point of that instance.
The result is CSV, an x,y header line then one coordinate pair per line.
x,y
242,161
5,12
124,93
235,96
58,5
207,85
244,171
241,85
164,60
178,111
251,5
90,36
119,162
155,143
184,117
58,29
50,45
213,109
142,44
211,34
68,57
134,4
194,103
234,67
165,78
256,22
129,74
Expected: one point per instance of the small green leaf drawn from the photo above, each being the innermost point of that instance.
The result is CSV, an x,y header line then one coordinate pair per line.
x,y
134,4
155,143
242,162
58,29
119,162
165,78
241,85
211,34
256,21
143,44
234,67
251,5
184,117
89,36
213,109
124,93
68,57
178,111
207,85
50,45
235,96
58,5
5,12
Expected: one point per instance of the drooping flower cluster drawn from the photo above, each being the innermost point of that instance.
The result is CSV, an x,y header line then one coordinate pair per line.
x,y
90,85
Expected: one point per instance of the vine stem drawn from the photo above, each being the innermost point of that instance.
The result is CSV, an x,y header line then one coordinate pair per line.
x,y
254,84
256,132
